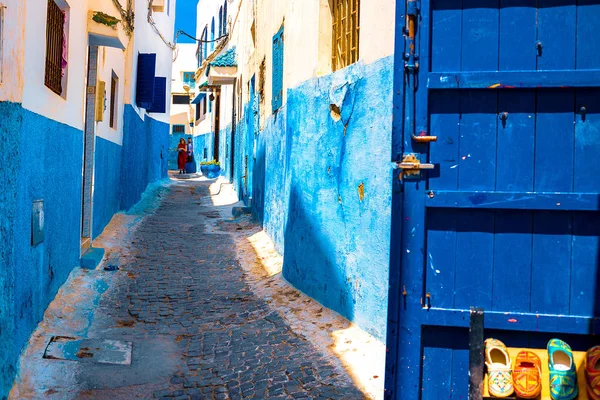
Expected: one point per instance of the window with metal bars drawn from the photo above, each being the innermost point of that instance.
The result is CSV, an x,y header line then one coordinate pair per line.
x,y
346,27
55,40
178,128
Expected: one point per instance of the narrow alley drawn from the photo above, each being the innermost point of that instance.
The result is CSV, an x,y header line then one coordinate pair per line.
x,y
181,303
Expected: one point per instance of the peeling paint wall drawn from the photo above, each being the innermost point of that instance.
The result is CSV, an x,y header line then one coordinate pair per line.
x,y
336,244
327,190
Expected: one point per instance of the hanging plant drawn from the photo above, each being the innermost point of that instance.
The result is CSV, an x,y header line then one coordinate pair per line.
x,y
105,19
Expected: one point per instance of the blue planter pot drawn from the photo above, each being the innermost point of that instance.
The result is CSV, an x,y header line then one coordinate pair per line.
x,y
210,171
190,168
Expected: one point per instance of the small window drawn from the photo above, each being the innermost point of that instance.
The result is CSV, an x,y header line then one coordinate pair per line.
x,y
201,110
178,129
114,103
181,99
56,51
277,99
188,77
346,27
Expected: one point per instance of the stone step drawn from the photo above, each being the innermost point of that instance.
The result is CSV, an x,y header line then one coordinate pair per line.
x,y
91,258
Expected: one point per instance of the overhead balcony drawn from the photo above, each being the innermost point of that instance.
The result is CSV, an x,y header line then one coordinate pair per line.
x,y
105,27
223,70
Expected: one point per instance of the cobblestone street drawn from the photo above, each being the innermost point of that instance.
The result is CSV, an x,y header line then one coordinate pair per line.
x,y
197,329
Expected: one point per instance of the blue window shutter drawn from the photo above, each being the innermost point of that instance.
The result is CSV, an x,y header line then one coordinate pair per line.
x,y
159,104
277,70
144,93
220,21
225,17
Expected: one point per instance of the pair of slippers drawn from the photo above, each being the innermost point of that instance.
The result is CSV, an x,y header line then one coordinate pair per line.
x,y
526,378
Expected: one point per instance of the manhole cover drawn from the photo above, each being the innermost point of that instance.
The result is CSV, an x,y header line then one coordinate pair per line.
x,y
89,350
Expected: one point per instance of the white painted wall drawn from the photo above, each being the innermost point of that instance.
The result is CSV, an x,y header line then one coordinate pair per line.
x,y
13,56
146,40
185,62
112,60
36,96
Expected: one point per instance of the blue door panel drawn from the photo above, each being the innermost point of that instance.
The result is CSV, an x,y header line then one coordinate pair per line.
x,y
587,141
554,141
585,299
441,262
445,363
551,269
477,141
474,258
446,33
588,45
516,51
479,35
511,287
509,219
556,34
516,140
445,123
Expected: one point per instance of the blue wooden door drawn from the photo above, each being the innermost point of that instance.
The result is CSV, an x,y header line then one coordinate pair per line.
x,y
509,218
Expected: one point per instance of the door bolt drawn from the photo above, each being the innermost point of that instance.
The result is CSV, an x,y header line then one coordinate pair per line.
x,y
431,194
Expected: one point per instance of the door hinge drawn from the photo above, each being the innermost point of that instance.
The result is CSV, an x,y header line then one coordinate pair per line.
x,y
411,166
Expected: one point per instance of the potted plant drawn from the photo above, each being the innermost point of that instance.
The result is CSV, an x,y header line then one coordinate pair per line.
x,y
210,169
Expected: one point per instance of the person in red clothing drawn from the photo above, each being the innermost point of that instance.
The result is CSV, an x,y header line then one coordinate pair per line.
x,y
181,155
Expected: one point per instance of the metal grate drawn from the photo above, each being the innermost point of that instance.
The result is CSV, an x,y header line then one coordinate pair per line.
x,y
346,27
178,128
55,26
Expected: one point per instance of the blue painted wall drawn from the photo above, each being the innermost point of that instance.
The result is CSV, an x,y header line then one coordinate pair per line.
x,y
107,177
36,154
321,186
200,143
146,146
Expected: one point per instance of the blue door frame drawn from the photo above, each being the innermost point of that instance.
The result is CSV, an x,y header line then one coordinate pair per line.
x,y
508,219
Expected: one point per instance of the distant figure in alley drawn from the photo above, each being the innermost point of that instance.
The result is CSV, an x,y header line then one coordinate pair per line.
x,y
181,155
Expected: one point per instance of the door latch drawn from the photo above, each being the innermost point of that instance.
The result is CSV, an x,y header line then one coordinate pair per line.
x,y
411,166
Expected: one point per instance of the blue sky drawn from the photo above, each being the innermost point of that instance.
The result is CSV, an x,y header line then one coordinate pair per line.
x,y
185,19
